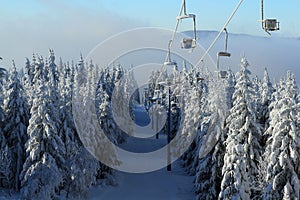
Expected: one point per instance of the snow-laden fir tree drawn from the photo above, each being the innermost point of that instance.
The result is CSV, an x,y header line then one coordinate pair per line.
x,y
123,99
27,82
38,70
229,88
92,135
83,172
266,98
114,103
15,128
6,176
211,148
67,130
199,86
189,122
41,176
257,99
5,158
282,151
243,150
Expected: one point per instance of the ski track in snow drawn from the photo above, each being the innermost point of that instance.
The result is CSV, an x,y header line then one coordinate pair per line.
x,y
157,185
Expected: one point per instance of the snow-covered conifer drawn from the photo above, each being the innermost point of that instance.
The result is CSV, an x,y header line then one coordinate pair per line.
x,y
282,151
211,148
15,128
41,176
243,150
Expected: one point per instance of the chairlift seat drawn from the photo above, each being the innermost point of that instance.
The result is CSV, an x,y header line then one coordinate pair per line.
x,y
223,74
271,25
170,63
155,98
187,16
173,105
200,79
188,43
224,54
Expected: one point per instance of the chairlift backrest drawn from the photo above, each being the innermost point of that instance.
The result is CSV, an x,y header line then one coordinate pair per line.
x,y
188,43
186,16
271,25
223,74
224,54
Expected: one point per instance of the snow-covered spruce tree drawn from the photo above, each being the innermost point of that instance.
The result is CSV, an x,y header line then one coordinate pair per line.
x,y
211,147
27,82
41,177
53,70
67,130
243,150
6,176
38,70
189,122
229,88
123,100
104,104
257,99
266,98
192,80
84,107
81,168
15,128
4,150
83,172
282,151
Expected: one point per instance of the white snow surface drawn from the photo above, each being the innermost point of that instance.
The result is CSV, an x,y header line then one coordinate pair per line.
x,y
157,185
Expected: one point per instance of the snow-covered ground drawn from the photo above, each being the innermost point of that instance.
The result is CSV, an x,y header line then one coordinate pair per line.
x,y
157,185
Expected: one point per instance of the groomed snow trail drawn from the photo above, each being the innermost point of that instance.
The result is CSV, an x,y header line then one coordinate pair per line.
x,y
157,185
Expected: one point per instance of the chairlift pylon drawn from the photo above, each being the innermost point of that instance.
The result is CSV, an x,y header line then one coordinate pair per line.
x,y
268,24
223,74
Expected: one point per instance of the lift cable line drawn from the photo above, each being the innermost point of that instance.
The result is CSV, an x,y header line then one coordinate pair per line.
x,y
220,33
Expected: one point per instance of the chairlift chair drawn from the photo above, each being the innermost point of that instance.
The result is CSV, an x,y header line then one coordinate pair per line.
x,y
188,43
268,25
223,74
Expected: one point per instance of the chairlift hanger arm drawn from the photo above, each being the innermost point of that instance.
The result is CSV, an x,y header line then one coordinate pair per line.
x,y
176,28
220,33
262,13
226,41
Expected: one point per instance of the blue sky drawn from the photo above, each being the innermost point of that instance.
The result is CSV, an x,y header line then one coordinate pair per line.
x,y
74,26
211,13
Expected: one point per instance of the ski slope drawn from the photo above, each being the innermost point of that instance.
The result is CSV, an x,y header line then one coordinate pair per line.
x,y
157,185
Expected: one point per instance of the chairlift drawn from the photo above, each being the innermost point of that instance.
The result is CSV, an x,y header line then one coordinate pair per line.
x,y
223,74
168,61
268,24
188,43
